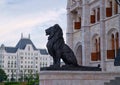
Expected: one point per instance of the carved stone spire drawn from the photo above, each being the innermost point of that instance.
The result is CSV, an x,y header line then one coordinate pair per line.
x,y
29,36
21,35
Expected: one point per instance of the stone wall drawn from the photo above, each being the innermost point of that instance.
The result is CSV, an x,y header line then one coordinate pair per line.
x,y
77,38
76,77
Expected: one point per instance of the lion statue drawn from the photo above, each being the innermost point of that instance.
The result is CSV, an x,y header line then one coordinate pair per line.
x,y
57,47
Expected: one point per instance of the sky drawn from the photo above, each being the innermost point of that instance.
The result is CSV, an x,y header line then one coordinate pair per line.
x,y
30,17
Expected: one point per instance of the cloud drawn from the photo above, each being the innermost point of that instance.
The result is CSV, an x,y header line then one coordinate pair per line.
x,y
11,28
26,21
29,16
2,2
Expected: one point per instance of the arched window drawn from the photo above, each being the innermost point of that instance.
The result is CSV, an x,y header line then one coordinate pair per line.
x,y
77,24
95,55
111,8
111,50
92,17
79,54
114,45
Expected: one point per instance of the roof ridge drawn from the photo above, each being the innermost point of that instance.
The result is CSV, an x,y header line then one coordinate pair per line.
x,y
10,47
23,42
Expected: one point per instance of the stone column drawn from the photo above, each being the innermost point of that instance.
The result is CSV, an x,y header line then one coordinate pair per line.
x,y
102,34
69,31
113,11
96,10
85,33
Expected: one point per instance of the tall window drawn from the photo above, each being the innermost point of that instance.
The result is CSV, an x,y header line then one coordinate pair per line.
x,y
77,24
95,55
95,15
109,9
112,52
92,17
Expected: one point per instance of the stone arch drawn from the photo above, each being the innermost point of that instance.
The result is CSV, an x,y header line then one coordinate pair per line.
x,y
112,30
94,39
78,53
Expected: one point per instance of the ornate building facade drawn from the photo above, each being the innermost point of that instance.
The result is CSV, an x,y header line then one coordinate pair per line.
x,y
23,59
93,32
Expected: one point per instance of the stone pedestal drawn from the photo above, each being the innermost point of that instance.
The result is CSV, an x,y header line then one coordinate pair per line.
x,y
76,77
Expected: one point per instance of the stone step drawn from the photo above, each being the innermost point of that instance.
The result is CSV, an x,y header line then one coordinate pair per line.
x,y
106,83
117,78
116,81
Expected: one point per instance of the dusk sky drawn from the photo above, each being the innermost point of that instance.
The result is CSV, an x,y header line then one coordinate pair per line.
x,y
30,17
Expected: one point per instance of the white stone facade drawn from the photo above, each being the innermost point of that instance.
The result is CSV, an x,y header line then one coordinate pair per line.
x,y
23,59
96,36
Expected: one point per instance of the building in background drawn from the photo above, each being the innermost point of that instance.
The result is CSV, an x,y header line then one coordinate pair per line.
x,y
23,59
93,31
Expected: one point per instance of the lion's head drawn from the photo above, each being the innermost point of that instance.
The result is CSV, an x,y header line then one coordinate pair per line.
x,y
54,31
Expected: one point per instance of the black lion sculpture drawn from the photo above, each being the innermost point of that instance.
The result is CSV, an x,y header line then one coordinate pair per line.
x,y
57,47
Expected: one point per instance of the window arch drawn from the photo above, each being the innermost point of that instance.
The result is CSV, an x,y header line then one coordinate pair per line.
x,y
77,22
95,54
113,43
78,52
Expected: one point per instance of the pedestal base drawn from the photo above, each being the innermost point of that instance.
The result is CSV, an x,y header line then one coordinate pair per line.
x,y
71,68
76,78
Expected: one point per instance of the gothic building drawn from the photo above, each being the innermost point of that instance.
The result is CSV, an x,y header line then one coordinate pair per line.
x,y
93,32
